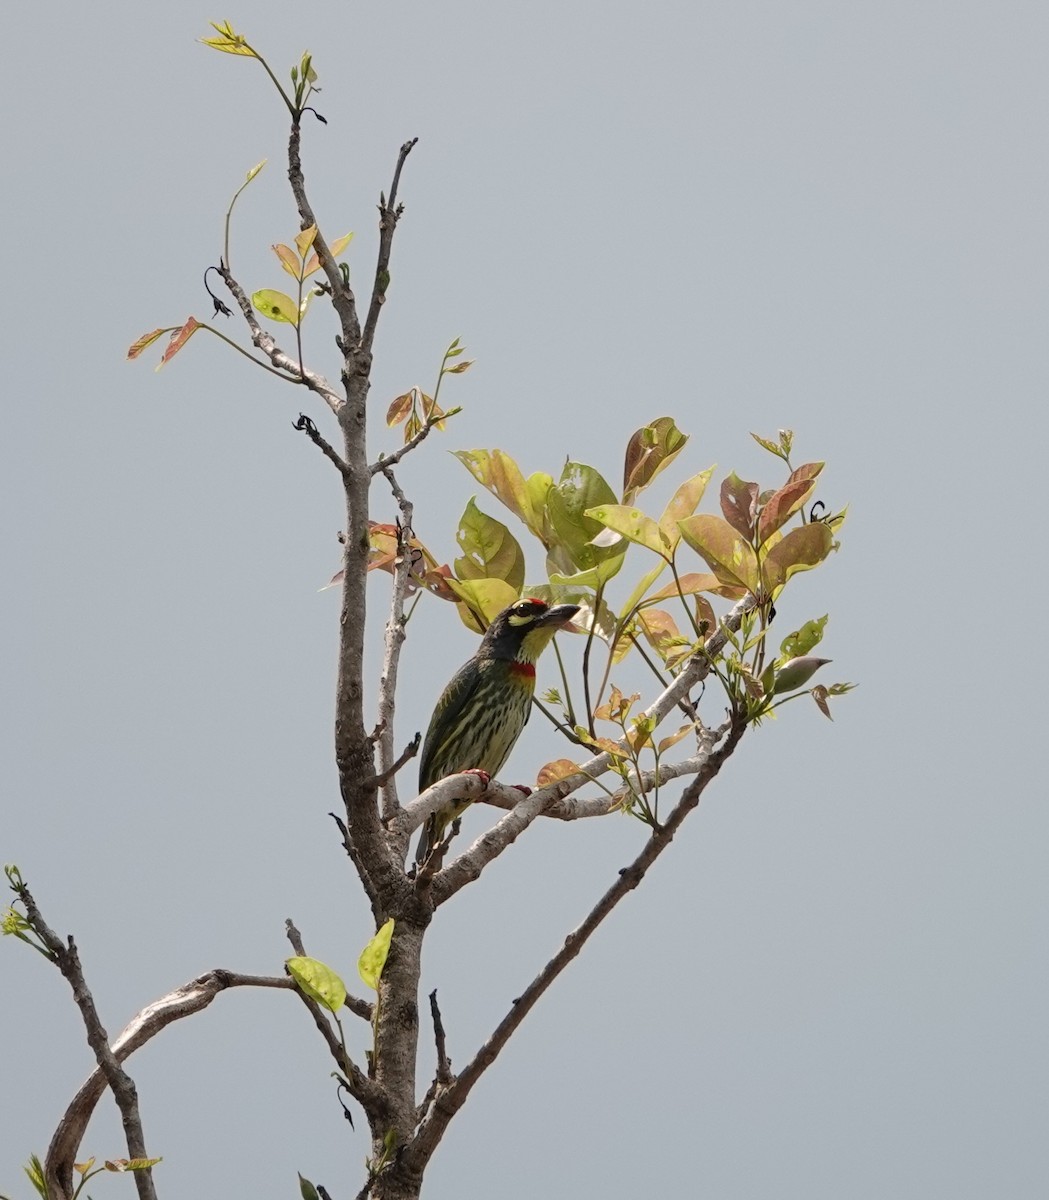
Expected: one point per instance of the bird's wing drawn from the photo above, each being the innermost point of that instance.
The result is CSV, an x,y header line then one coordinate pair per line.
x,y
453,700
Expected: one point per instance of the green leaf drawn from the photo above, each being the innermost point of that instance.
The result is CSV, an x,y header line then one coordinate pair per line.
x,y
782,505
649,451
739,501
254,171
579,488
497,471
276,305
771,447
306,1189
796,673
801,550
490,550
727,554
632,524
802,640
638,594
373,956
593,578
481,600
684,503
318,981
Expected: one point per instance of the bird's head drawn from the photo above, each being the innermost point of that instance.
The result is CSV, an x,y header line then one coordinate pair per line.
x,y
522,631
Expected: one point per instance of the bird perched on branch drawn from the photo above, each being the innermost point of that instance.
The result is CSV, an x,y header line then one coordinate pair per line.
x,y
485,707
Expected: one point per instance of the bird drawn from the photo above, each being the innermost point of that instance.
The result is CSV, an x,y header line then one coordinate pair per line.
x,y
486,705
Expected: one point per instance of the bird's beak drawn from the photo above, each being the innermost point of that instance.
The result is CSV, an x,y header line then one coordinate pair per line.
x,y
559,615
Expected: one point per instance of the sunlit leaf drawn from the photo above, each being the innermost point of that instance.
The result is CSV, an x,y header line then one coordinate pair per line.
x,y
796,673
594,577
481,600
687,585
254,171
276,305
490,550
460,368
318,981
667,742
337,247
228,41
399,409
639,592
147,339
178,339
801,550
782,505
684,503
304,240
727,554
771,447
649,451
84,1167
659,629
739,499
632,524
802,640
551,772
579,488
602,621
373,956
497,471
288,261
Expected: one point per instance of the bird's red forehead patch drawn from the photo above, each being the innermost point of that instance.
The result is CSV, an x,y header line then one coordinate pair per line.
x,y
525,669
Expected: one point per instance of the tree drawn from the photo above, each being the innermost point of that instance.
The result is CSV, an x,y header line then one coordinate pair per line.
x,y
586,530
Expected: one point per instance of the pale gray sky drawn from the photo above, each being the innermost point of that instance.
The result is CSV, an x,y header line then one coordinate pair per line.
x,y
830,216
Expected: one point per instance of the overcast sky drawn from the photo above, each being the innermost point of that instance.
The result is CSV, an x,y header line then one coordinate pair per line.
x,y
827,216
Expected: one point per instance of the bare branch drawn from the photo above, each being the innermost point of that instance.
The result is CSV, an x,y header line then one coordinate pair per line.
x,y
405,756
390,460
449,1101
268,345
389,215
305,425
394,640
342,297
182,1002
66,958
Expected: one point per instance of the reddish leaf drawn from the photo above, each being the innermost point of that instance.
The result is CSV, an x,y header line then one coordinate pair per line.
x,y
399,409
801,550
178,339
650,450
739,502
782,505
728,555
147,339
560,768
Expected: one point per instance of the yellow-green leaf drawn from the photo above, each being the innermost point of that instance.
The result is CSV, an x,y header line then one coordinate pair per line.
x,y
481,600
373,956
490,550
497,471
727,554
683,503
580,487
318,981
276,305
801,550
632,524
687,585
304,240
255,170
228,41
673,739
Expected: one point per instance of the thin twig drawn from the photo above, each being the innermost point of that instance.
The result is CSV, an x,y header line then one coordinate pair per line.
x,y
389,214
448,1103
395,456
342,297
120,1083
305,425
405,756
268,345
444,1063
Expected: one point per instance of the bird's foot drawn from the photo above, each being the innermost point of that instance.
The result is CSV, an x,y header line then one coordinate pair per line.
x,y
524,789
484,776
